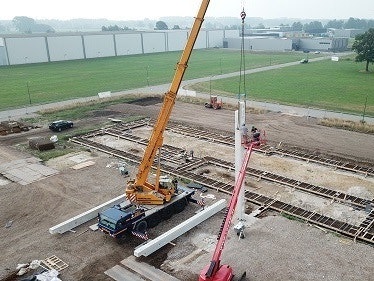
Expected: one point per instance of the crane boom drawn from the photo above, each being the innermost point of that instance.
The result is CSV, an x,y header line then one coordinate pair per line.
x,y
140,189
214,271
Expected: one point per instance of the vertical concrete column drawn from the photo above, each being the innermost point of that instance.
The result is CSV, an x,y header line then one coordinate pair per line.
x,y
84,47
239,156
47,48
114,44
142,42
166,37
6,51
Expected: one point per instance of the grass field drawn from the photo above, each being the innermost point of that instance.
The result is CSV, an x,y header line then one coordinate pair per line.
x,y
339,86
48,82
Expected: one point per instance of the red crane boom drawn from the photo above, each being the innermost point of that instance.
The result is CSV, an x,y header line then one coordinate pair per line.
x,y
215,271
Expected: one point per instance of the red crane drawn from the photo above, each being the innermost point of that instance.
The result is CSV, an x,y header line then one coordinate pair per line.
x,y
215,271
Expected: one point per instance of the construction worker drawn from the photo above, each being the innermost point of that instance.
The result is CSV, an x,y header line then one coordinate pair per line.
x,y
254,129
255,135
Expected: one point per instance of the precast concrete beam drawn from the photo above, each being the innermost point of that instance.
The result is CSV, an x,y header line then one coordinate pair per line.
x,y
84,217
163,239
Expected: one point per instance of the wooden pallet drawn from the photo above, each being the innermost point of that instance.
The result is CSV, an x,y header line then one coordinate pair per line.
x,y
54,262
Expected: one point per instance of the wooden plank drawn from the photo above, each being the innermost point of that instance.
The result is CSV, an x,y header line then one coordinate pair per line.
x,y
119,273
83,165
146,270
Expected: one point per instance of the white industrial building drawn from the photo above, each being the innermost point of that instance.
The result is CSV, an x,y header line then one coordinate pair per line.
x,y
38,48
259,43
323,44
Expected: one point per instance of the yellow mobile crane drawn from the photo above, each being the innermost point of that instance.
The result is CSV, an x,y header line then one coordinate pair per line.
x,y
164,195
140,190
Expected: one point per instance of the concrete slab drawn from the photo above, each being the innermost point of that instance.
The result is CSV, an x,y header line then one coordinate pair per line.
x,y
25,171
155,244
119,273
44,170
148,271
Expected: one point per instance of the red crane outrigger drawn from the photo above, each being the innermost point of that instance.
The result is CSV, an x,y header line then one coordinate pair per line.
x,y
215,271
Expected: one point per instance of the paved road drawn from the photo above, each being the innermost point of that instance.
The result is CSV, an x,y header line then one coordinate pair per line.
x,y
30,111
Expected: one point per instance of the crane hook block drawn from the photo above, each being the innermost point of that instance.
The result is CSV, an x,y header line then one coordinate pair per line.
x,y
243,15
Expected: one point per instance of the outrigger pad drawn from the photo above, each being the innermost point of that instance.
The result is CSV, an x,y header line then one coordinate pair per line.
x,y
141,235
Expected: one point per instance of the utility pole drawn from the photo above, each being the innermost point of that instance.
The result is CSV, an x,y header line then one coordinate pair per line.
x,y
363,114
28,91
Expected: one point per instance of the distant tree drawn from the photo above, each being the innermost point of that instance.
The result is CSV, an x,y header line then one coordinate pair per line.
x,y
355,23
314,27
176,26
284,27
370,23
2,28
38,27
28,25
161,25
338,24
297,26
23,24
364,47
114,28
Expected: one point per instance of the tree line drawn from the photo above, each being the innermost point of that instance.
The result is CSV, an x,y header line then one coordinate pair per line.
x,y
28,25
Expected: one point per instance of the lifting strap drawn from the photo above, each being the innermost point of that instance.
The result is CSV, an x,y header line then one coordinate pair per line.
x,y
242,60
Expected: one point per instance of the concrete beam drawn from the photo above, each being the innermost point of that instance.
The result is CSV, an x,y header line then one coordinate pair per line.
x,y
163,239
84,217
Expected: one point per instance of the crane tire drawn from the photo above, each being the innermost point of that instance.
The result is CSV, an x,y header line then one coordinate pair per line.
x,y
153,221
141,226
179,206
167,212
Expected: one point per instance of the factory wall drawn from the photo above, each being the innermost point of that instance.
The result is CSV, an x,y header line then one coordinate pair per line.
x,y
339,44
324,44
23,49
26,50
215,39
260,44
3,57
154,42
129,44
201,41
313,44
65,48
176,40
270,44
233,33
97,46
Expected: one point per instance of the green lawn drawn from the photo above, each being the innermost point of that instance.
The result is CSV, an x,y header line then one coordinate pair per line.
x,y
338,86
48,82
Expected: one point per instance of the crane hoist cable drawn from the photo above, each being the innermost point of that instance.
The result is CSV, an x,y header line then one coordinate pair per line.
x,y
242,59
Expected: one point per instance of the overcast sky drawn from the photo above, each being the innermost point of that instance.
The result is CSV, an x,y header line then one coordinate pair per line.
x,y
154,9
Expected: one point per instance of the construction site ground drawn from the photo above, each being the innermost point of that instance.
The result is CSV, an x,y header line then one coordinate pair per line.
x,y
275,247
